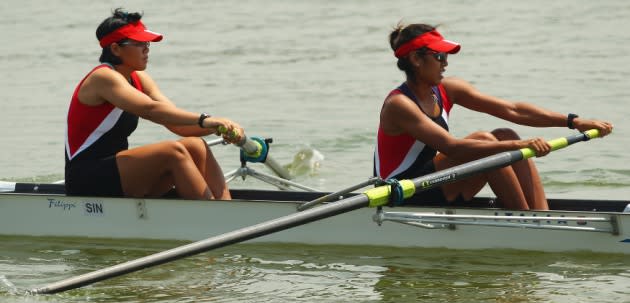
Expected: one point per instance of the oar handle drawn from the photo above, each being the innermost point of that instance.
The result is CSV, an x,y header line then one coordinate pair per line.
x,y
223,130
248,145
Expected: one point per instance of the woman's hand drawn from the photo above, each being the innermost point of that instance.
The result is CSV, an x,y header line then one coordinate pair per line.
x,y
234,133
540,146
604,128
228,129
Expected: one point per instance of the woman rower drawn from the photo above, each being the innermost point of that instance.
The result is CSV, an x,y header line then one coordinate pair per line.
x,y
104,111
413,138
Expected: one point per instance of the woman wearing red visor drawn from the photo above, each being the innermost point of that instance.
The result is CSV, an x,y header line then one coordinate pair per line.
x,y
413,138
104,111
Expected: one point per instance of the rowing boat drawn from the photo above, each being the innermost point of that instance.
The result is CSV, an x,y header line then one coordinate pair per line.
x,y
294,217
351,219
43,210
284,216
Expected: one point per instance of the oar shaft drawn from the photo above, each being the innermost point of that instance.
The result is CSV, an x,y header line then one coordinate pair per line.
x,y
495,161
467,169
336,195
215,142
240,235
277,168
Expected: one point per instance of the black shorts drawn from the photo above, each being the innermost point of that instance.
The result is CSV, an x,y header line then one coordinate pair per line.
x,y
94,178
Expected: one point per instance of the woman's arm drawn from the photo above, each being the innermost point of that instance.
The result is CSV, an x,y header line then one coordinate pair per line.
x,y
401,115
152,105
153,91
523,113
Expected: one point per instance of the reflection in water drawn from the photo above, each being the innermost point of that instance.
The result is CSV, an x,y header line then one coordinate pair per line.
x,y
302,273
578,279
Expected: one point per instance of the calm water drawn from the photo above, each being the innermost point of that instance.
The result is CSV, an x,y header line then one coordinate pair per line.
x,y
312,75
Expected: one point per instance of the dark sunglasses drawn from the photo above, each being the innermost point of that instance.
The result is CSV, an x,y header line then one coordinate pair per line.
x,y
135,43
442,57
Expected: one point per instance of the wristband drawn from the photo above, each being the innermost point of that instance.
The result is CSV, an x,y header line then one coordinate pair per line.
x,y
202,117
570,118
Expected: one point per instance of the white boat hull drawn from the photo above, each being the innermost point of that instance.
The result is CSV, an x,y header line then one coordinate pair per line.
x,y
164,219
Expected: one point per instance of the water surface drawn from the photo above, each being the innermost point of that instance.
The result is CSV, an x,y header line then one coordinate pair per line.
x,y
313,74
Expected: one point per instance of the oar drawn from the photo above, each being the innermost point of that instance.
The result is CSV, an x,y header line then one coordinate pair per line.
x,y
374,197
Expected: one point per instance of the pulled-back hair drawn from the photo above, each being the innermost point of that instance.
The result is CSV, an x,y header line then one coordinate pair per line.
x,y
403,34
118,19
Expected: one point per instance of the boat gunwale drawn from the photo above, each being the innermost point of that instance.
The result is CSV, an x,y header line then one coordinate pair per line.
x,y
295,197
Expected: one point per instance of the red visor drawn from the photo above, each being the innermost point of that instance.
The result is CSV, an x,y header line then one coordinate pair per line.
x,y
135,30
432,40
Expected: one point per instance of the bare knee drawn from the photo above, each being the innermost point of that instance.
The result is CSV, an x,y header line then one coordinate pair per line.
x,y
505,134
195,146
177,152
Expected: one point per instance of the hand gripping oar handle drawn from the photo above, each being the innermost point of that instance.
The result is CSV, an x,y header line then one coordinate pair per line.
x,y
379,196
254,148
373,197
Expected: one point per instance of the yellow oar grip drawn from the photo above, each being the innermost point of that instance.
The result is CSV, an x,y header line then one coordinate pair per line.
x,y
559,143
379,196
592,133
223,130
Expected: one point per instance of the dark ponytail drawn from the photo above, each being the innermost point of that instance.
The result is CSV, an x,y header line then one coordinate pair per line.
x,y
118,19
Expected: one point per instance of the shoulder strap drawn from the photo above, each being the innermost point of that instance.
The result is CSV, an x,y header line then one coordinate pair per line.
x,y
446,103
404,88
136,81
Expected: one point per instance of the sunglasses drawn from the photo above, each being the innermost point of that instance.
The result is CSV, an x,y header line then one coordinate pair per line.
x,y
442,57
135,43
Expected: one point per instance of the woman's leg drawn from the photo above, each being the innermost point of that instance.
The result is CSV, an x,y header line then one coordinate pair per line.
x,y
152,170
503,181
527,174
208,166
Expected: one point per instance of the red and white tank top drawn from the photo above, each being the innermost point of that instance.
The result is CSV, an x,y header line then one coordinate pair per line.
x,y
402,156
96,132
